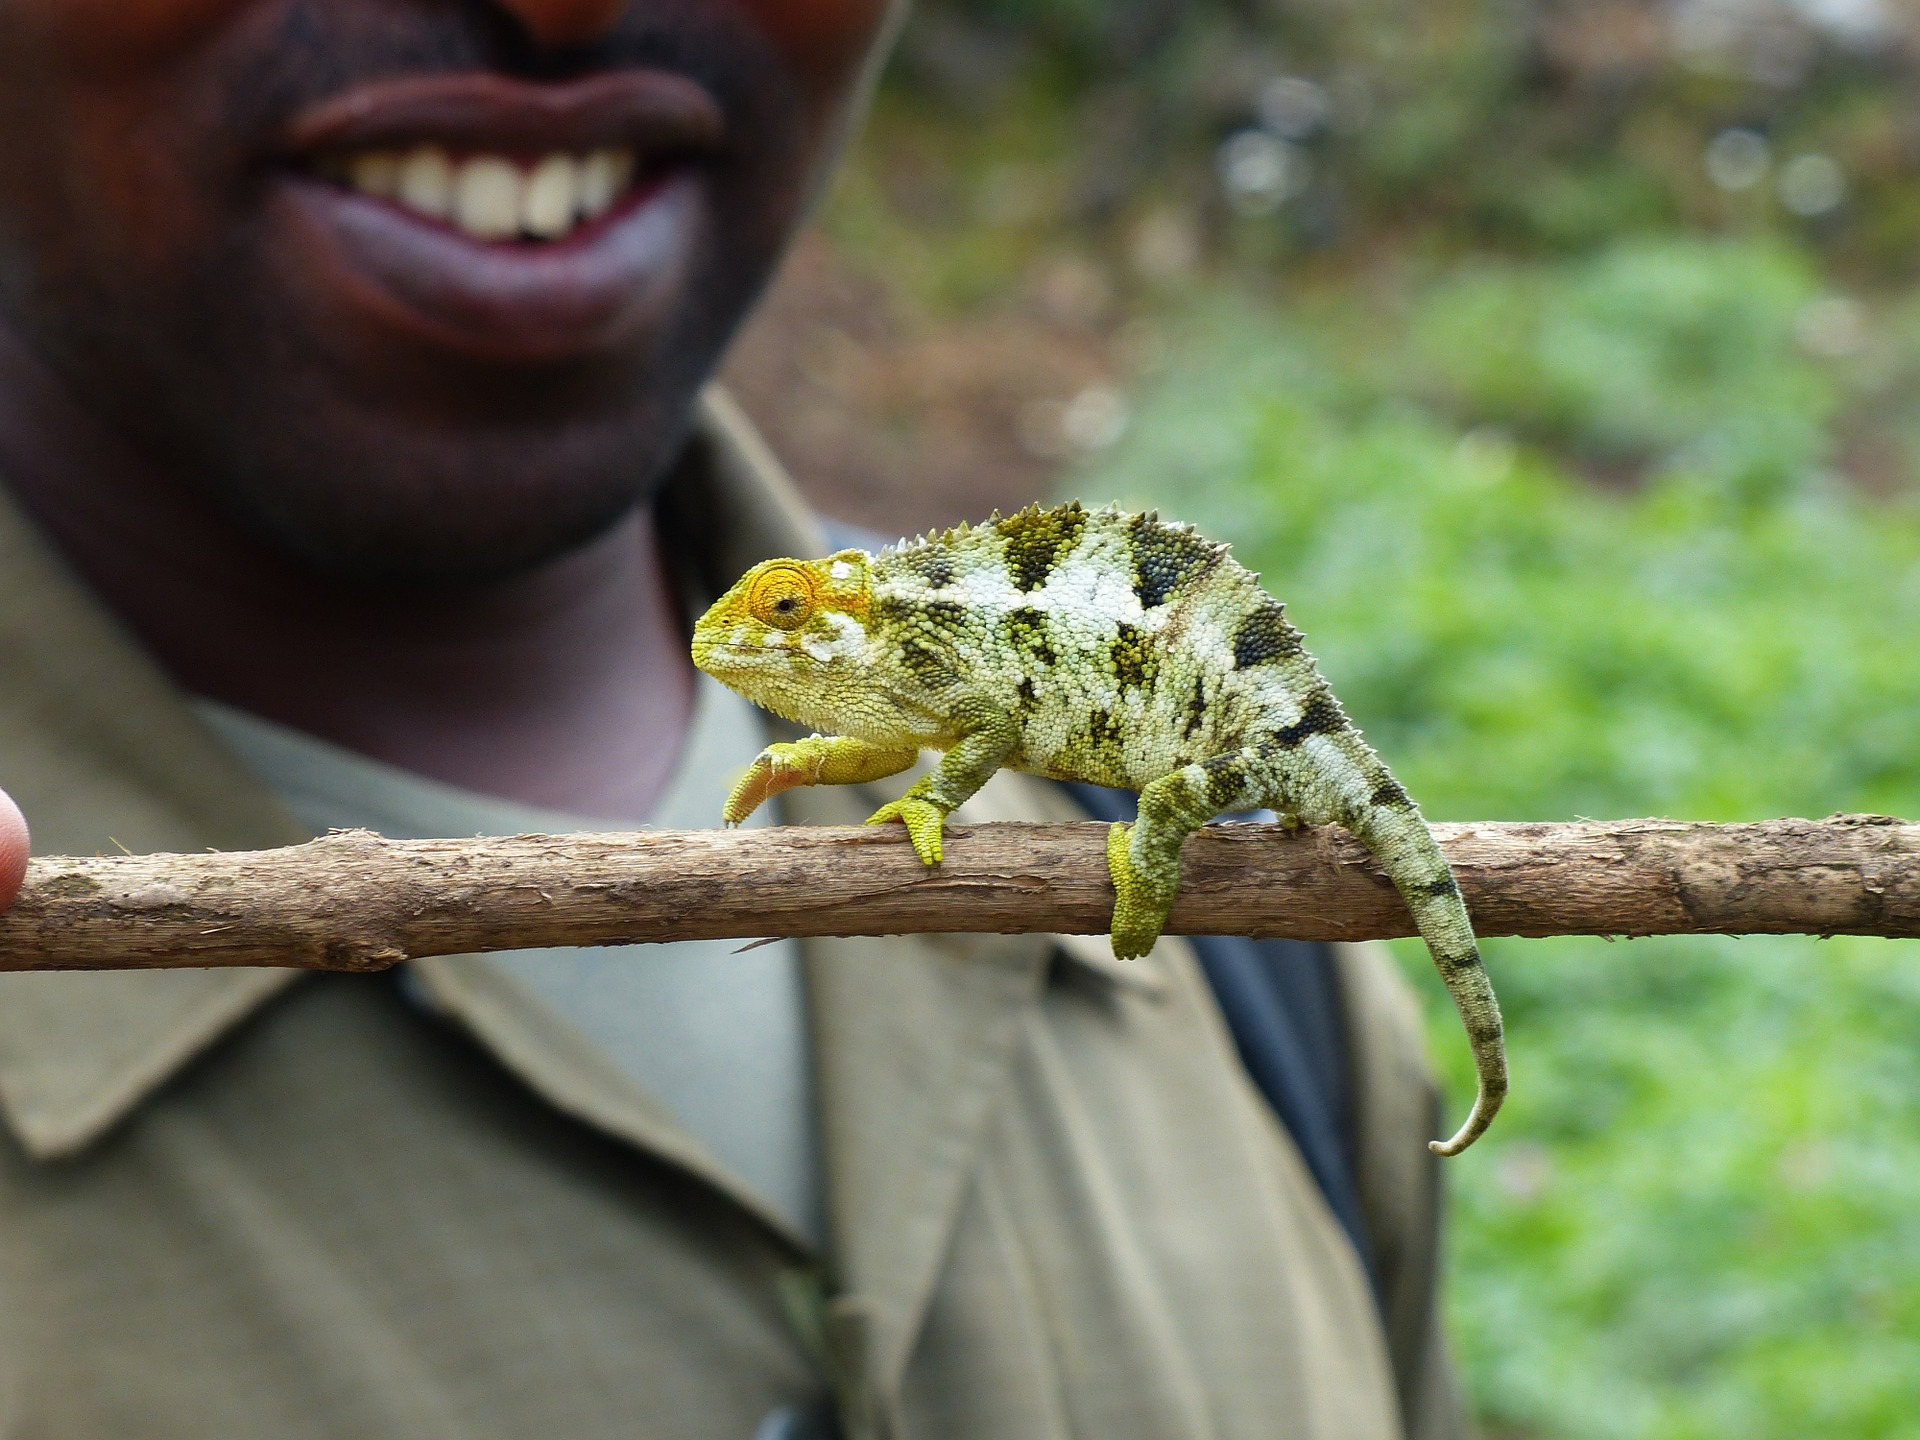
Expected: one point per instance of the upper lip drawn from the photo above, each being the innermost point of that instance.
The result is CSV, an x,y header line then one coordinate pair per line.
x,y
658,114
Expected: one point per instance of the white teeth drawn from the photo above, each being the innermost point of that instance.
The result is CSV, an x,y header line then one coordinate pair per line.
x,y
426,182
493,198
552,198
486,198
603,175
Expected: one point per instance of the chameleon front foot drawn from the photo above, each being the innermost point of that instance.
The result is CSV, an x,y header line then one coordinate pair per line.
x,y
1141,910
923,820
777,768
816,760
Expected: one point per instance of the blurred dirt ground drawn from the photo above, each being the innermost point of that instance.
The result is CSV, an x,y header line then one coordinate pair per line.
x,y
902,425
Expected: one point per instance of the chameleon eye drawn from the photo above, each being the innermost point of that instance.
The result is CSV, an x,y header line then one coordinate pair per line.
x,y
783,597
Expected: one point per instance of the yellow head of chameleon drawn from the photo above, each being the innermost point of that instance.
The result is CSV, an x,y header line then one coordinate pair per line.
x,y
790,632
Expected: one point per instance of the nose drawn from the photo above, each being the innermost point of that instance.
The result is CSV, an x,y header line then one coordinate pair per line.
x,y
560,23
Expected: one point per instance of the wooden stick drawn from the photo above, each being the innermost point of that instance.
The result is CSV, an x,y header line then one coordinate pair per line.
x,y
353,901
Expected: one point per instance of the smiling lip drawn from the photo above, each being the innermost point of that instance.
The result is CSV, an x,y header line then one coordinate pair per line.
x,y
652,111
483,260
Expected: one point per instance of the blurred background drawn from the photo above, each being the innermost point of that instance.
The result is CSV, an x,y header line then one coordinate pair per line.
x,y
1558,361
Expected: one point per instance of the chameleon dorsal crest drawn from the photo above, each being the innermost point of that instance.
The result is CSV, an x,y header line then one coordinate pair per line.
x,y
1094,645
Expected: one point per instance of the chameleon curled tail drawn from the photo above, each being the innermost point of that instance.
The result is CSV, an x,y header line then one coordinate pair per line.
x,y
1407,851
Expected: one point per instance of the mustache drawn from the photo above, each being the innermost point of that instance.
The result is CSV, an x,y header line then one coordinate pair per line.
x,y
318,52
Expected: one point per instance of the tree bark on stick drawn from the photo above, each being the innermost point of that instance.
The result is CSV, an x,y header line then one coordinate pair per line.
x,y
353,901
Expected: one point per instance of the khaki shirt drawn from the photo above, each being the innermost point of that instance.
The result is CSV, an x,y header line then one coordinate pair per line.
x,y
255,1203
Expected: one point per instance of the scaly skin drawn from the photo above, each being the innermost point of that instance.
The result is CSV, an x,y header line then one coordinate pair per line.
x,y
1081,645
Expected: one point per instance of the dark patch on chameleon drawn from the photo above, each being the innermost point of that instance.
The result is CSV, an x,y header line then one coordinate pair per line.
x,y
1461,964
1196,709
1134,662
1102,729
1164,558
926,662
1038,540
945,615
890,610
1448,886
1030,633
1321,715
1029,695
933,564
1390,794
1265,636
910,615
1226,780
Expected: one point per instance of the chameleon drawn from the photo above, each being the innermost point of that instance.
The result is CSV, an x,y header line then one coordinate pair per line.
x,y
1102,646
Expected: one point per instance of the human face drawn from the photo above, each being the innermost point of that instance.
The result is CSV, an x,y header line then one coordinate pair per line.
x,y
292,248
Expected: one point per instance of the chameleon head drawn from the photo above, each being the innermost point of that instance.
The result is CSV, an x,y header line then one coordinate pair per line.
x,y
792,635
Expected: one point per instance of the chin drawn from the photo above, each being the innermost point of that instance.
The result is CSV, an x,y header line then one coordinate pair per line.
x,y
414,544
420,509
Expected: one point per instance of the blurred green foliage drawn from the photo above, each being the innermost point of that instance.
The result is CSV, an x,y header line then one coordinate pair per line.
x,y
1581,441
1646,356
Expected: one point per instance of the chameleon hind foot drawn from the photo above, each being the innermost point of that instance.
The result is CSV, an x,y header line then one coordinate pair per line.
x,y
1141,909
923,820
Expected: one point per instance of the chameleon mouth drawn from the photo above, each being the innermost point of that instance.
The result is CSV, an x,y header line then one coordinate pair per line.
x,y
788,651
755,665
722,649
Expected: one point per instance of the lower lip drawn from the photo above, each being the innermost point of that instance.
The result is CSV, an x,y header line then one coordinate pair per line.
x,y
534,302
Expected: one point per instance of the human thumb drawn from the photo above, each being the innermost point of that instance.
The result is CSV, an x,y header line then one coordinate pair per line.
x,y
13,850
